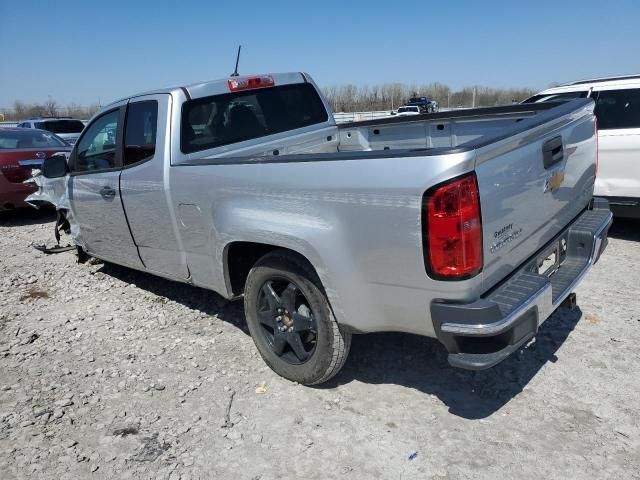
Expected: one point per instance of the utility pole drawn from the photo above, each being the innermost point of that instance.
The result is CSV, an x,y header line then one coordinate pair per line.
x,y
473,101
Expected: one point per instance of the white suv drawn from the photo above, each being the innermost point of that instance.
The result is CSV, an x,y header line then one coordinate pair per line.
x,y
67,128
618,112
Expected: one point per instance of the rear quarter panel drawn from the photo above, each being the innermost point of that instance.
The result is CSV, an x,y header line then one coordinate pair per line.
x,y
357,221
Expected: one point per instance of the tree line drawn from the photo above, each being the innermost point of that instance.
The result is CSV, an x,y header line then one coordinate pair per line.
x,y
50,108
390,96
342,98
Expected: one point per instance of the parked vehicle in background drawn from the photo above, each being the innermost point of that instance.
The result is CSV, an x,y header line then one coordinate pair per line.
x,y
18,144
67,128
426,104
471,226
618,111
408,110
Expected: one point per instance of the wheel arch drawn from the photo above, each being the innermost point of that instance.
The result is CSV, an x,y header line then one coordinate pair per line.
x,y
240,256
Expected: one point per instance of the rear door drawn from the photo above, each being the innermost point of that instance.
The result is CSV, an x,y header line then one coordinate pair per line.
x,y
94,191
533,184
618,113
145,193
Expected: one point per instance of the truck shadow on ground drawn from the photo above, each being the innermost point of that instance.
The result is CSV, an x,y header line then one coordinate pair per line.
x,y
195,298
625,229
394,358
27,216
421,363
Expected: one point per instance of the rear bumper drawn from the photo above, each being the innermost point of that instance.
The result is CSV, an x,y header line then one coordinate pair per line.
x,y
480,334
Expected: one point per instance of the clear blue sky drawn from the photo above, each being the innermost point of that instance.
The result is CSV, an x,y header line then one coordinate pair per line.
x,y
82,51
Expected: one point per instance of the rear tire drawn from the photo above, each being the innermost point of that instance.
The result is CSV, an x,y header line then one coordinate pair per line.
x,y
309,350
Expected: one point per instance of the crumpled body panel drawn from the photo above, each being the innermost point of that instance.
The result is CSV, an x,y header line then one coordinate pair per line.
x,y
55,191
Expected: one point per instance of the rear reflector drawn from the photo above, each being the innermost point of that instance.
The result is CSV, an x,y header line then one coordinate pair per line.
x,y
247,83
452,230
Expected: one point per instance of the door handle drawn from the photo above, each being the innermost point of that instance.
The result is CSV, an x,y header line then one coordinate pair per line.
x,y
107,192
552,152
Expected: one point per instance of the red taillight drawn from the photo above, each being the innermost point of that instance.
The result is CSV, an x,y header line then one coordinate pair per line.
x,y
597,149
453,230
15,173
247,83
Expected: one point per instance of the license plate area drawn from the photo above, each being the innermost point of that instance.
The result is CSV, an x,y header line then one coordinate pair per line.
x,y
548,262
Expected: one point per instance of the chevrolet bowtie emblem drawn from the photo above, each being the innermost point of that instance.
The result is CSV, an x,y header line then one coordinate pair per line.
x,y
554,181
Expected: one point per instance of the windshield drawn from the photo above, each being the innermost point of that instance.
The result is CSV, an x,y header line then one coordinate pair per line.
x,y
19,139
61,126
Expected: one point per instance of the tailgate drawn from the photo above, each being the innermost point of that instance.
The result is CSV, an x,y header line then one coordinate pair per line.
x,y
533,183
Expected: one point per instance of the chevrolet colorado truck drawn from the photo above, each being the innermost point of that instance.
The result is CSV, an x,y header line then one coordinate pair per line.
x,y
471,227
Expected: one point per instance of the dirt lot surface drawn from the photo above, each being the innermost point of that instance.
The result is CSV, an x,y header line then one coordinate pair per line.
x,y
110,373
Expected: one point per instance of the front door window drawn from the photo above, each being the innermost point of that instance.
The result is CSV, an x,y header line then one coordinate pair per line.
x,y
97,148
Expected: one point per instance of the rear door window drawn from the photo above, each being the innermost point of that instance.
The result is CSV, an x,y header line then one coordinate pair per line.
x,y
234,117
140,131
617,109
16,139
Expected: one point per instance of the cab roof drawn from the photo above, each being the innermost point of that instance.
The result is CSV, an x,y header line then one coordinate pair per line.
x,y
619,82
219,86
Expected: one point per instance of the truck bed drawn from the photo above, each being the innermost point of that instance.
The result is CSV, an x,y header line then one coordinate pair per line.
x,y
470,128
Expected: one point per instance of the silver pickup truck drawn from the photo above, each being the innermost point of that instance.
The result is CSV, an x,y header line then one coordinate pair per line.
x,y
471,227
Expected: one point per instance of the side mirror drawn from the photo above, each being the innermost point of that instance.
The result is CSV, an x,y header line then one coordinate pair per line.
x,y
55,166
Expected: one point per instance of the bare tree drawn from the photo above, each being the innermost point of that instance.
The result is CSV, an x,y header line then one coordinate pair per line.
x,y
19,110
22,110
51,107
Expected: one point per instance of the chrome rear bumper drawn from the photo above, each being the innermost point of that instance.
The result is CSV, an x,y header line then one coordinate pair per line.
x,y
481,334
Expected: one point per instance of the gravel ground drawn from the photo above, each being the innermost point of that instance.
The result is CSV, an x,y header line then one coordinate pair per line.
x,y
110,373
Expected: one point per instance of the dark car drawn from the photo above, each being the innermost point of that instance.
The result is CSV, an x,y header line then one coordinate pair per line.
x,y
21,144
426,104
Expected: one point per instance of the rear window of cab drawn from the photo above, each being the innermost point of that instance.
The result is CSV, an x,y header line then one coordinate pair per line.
x,y
235,117
22,139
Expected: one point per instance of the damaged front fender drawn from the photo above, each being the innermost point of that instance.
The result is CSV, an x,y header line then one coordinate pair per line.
x,y
55,191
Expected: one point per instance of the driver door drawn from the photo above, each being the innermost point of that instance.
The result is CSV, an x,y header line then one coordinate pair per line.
x,y
94,191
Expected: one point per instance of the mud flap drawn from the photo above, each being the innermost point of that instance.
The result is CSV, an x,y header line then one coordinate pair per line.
x,y
56,249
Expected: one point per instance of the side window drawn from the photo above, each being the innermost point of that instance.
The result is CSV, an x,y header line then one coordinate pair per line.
x,y
97,148
140,132
618,109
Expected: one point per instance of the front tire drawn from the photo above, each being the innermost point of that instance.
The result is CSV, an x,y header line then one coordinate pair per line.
x,y
291,321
